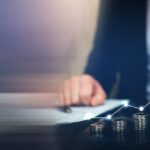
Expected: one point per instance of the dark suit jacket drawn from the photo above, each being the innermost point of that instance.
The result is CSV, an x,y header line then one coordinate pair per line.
x,y
119,57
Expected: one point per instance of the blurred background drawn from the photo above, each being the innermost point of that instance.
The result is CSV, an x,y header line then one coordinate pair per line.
x,y
43,42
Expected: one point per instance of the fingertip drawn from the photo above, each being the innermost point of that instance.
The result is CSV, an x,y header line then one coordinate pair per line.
x,y
75,100
85,100
85,96
97,100
67,100
66,92
74,90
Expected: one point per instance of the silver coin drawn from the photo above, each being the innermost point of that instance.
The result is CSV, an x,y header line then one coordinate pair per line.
x,y
140,121
119,124
97,127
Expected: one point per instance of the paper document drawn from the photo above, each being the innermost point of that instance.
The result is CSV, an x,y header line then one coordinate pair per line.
x,y
82,113
54,116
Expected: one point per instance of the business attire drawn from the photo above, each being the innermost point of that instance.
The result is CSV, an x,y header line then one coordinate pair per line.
x,y
119,59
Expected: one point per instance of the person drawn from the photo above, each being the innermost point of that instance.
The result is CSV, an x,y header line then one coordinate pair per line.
x,y
119,64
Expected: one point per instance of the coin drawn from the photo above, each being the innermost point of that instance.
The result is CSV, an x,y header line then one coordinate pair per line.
x,y
97,127
140,121
119,124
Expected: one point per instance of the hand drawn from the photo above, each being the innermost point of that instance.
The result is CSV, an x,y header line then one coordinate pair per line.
x,y
82,89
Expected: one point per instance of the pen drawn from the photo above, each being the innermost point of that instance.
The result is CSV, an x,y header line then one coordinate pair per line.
x,y
66,109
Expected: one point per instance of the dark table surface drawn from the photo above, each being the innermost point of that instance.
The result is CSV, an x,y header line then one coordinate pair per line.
x,y
77,136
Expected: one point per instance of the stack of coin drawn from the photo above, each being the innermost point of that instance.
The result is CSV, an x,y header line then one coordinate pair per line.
x,y
140,121
140,136
119,124
97,127
119,136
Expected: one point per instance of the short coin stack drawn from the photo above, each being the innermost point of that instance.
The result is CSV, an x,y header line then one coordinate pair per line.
x,y
97,127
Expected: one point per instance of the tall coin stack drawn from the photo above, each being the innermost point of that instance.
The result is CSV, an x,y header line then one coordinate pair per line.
x,y
140,121
119,127
119,124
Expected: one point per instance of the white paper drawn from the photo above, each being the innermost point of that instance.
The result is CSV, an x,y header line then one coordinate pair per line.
x,y
81,113
54,116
